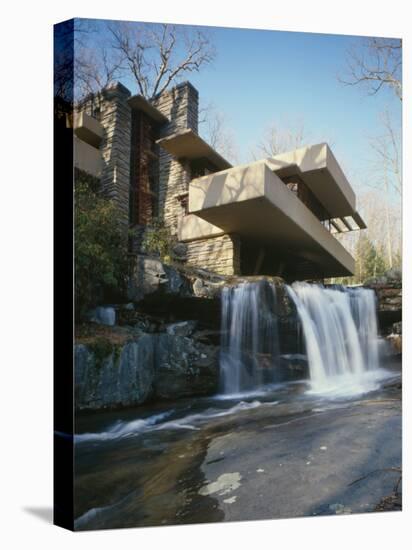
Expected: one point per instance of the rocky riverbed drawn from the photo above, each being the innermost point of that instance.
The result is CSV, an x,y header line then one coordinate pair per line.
x,y
278,454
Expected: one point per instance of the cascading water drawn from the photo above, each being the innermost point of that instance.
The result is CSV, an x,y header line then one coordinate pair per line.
x,y
250,344
340,332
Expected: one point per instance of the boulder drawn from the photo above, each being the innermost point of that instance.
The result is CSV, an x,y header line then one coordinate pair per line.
x,y
184,367
184,328
147,276
103,315
151,277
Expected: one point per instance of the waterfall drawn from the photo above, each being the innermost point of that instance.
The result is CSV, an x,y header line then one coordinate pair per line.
x,y
340,333
250,343
339,328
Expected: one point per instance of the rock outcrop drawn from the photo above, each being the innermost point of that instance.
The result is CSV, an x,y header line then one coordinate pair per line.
x,y
184,367
166,341
165,365
110,376
388,290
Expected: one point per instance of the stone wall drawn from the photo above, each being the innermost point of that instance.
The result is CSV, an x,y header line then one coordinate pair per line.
x,y
389,297
110,107
219,254
116,120
388,289
180,105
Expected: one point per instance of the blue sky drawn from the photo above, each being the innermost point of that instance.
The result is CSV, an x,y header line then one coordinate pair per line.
x,y
264,77
260,78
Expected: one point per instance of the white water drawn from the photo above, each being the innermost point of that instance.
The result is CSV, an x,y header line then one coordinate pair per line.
x,y
340,332
250,348
154,423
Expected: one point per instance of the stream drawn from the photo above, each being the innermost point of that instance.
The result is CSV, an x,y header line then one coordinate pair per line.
x,y
280,453
260,449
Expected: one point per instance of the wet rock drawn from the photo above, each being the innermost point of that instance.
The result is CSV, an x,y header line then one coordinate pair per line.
x,y
339,508
184,328
108,376
294,366
208,336
203,288
184,367
152,366
224,484
179,251
102,316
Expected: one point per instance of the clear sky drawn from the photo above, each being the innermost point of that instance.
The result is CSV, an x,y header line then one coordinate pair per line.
x,y
264,77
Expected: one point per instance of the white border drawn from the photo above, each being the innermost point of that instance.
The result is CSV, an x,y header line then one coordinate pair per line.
x,y
26,270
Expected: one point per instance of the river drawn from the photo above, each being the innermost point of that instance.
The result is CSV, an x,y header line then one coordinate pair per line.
x,y
280,453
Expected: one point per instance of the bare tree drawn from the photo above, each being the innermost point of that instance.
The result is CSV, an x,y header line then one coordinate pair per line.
x,y
279,139
96,64
216,131
383,233
95,69
388,155
156,56
375,63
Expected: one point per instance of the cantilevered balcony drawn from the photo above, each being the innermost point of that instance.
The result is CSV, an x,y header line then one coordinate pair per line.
x,y
88,134
253,202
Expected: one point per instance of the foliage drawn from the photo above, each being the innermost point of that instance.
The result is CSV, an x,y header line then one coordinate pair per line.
x,y
100,246
370,260
102,348
158,241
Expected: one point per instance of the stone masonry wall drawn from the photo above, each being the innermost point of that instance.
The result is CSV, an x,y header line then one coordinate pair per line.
x,y
180,105
115,118
219,254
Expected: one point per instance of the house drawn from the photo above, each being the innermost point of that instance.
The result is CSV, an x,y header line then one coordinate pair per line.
x,y
275,216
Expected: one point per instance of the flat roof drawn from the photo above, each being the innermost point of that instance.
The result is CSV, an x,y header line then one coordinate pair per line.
x,y
142,104
251,201
318,168
189,145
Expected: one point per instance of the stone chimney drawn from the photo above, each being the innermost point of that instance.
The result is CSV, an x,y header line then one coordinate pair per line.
x,y
181,106
115,118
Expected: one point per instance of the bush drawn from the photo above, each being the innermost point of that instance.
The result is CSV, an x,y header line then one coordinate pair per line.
x,y
100,246
158,241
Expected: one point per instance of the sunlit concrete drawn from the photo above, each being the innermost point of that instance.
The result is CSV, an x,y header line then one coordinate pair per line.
x,y
88,129
189,145
252,202
87,157
192,228
318,168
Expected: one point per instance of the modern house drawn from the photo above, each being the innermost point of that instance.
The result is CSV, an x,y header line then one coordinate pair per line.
x,y
276,216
